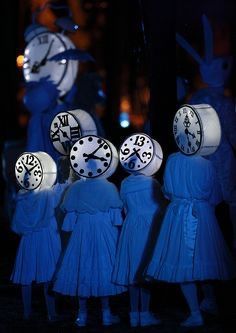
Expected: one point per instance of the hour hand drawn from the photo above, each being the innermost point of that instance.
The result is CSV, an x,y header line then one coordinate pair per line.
x,y
94,157
27,170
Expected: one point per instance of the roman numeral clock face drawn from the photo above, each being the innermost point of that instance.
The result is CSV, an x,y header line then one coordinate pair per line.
x,y
28,171
187,130
36,58
64,132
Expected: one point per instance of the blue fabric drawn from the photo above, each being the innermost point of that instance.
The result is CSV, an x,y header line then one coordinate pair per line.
x,y
93,210
91,196
223,159
182,255
139,196
40,243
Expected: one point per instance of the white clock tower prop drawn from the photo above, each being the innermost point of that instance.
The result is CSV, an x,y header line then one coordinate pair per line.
x,y
35,170
42,45
197,129
140,154
67,127
92,156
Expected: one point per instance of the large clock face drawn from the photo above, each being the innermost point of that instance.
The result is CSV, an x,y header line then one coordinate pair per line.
x,y
64,132
91,156
136,152
28,171
187,128
37,65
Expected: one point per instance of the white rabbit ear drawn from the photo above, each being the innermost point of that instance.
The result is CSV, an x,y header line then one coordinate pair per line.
x,y
185,45
208,39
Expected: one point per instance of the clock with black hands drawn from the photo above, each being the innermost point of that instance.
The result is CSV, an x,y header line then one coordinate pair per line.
x,y
136,152
187,129
91,156
64,132
28,171
37,65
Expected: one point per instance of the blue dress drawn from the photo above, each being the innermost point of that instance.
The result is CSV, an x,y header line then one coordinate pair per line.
x,y
140,197
190,245
93,213
224,157
40,244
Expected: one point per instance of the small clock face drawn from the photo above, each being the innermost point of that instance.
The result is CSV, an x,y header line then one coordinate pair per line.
x,y
91,156
64,132
136,152
28,171
187,130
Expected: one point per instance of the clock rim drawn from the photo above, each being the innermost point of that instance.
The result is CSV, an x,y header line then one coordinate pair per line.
x,y
200,124
40,167
59,141
100,174
63,43
132,170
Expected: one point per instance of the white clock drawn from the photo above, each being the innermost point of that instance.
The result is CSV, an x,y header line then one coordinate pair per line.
x,y
36,65
35,170
197,129
139,153
92,156
67,127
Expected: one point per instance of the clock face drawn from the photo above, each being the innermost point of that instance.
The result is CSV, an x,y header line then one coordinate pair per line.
x,y
187,128
136,152
64,132
37,65
91,156
28,171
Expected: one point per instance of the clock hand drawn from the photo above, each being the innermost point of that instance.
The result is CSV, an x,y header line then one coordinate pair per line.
x,y
100,146
65,135
33,167
36,65
27,170
137,154
94,157
133,153
187,132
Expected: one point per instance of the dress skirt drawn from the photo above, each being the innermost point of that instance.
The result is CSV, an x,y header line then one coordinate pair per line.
x,y
37,256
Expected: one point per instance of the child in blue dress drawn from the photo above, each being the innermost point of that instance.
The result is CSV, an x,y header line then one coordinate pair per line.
x,y
190,246
39,248
92,209
141,195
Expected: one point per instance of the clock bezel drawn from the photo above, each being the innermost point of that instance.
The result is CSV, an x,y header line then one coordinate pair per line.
x,y
200,126
41,167
65,47
100,174
153,152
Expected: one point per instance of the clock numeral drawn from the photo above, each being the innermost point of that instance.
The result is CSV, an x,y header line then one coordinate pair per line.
x,y
184,110
182,147
176,119
197,122
179,113
131,164
197,143
177,139
188,151
55,135
43,39
191,113
198,132
19,168
140,140
30,160
126,151
74,133
175,129
26,182
64,120
38,173
145,154
193,149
